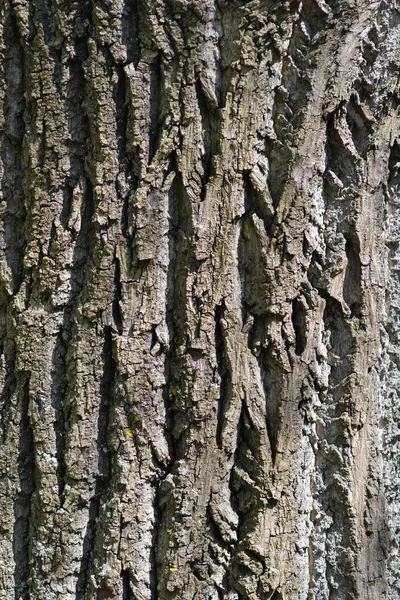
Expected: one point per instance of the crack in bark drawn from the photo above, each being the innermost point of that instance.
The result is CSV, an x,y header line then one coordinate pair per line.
x,y
176,318
210,126
299,320
84,241
106,401
126,588
122,111
116,305
154,575
58,389
8,351
12,152
131,30
22,533
156,106
352,291
224,370
104,466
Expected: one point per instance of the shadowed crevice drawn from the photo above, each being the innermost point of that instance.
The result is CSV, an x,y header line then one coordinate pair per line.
x,y
11,150
77,129
175,394
257,201
242,484
314,16
127,208
210,126
126,587
224,371
104,467
280,156
116,305
180,256
131,30
157,526
250,498
340,159
84,242
8,354
272,377
122,111
58,390
106,401
156,100
23,501
335,497
88,547
352,291
254,280
299,320
84,16
360,121
43,16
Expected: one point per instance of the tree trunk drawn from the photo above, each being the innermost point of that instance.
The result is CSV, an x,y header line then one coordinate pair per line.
x,y
200,322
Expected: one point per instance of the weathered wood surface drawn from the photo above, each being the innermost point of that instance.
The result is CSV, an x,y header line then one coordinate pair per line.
x,y
199,314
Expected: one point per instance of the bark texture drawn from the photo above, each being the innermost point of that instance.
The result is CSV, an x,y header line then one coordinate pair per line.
x,y
200,319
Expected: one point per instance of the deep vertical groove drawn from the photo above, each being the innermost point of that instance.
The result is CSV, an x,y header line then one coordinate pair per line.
x,y
87,547
352,293
10,383
272,379
247,478
224,371
359,123
58,389
175,390
339,158
126,588
12,152
130,30
154,576
23,501
121,113
170,316
209,124
126,217
77,128
84,241
258,203
85,15
334,496
103,476
106,399
116,306
299,321
155,106
42,15
256,319
180,219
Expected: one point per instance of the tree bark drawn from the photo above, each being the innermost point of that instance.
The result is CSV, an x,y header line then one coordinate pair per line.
x,y
200,323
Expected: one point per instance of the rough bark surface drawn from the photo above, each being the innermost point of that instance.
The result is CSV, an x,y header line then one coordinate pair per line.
x,y
200,320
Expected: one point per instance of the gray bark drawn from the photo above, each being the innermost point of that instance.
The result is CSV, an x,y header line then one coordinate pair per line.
x,y
200,322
